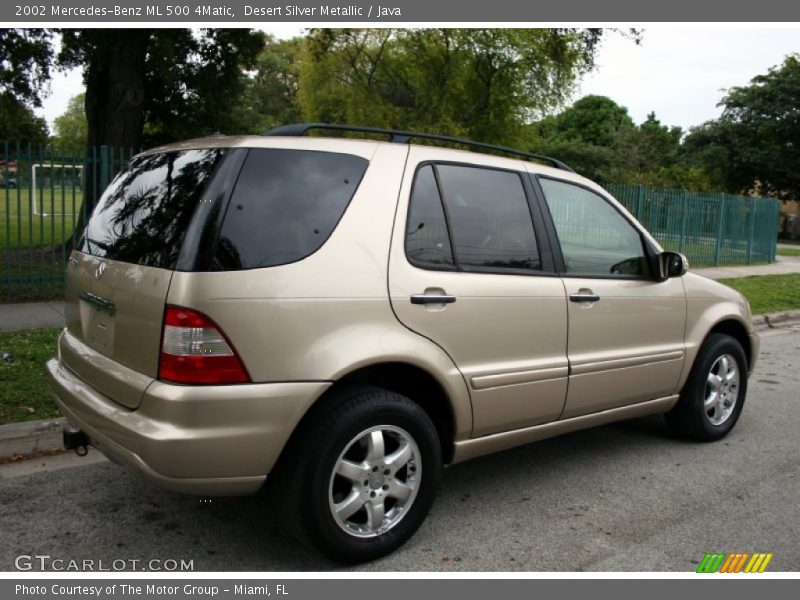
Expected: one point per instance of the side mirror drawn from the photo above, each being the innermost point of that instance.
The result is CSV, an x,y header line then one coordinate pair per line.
x,y
672,264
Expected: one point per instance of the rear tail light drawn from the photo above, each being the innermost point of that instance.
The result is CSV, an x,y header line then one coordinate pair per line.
x,y
195,351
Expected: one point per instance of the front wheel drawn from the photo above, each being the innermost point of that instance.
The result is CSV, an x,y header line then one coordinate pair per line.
x,y
358,480
713,397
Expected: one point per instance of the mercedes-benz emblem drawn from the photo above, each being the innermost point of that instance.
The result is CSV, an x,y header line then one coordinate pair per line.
x,y
101,268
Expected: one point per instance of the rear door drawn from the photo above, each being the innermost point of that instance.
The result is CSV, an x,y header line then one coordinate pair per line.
x,y
469,270
626,330
119,275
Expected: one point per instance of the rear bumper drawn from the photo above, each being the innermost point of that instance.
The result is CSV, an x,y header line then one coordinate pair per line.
x,y
209,440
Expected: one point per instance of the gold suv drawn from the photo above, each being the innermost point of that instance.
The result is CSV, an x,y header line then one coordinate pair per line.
x,y
339,318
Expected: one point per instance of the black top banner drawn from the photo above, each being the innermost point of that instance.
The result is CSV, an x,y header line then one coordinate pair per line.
x,y
396,11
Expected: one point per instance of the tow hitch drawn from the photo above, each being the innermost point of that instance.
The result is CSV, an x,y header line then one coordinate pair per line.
x,y
77,440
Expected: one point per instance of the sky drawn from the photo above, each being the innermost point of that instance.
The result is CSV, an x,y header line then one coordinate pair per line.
x,y
679,72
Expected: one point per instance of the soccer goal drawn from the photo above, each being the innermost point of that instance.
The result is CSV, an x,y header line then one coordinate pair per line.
x,y
52,188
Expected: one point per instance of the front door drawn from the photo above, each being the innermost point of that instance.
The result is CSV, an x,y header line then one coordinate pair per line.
x,y
626,330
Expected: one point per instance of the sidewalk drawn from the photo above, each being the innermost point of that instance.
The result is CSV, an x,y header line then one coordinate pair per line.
x,y
783,265
31,315
34,315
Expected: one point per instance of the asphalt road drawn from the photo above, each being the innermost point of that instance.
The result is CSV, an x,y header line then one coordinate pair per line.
x,y
622,497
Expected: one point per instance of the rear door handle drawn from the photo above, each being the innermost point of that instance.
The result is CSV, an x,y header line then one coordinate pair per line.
x,y
432,299
584,296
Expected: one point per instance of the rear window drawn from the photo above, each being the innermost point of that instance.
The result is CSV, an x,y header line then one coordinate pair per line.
x,y
142,217
285,206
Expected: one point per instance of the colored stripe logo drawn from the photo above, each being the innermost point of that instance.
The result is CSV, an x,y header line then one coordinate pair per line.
x,y
734,562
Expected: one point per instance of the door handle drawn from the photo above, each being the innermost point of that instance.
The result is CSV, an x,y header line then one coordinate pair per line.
x,y
432,299
584,296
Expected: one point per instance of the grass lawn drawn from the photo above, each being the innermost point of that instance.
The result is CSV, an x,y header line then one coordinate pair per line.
x,y
23,393
788,251
769,293
32,254
21,228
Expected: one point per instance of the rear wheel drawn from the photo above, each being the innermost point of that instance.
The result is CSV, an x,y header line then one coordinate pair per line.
x,y
713,397
358,480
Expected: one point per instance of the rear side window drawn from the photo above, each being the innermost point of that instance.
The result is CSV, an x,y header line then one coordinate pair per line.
x,y
486,211
427,240
143,215
285,205
490,218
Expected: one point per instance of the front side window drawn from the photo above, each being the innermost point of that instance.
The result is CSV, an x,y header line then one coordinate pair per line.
x,y
487,213
595,238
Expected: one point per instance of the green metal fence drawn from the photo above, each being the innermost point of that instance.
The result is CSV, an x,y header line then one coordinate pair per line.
x,y
42,201
709,228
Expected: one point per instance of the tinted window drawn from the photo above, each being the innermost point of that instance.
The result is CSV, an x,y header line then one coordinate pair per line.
x,y
595,239
143,215
427,242
285,205
490,218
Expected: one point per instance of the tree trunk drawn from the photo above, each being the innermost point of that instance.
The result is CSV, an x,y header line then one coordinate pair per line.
x,y
115,91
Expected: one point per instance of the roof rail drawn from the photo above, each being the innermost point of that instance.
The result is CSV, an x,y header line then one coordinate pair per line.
x,y
405,137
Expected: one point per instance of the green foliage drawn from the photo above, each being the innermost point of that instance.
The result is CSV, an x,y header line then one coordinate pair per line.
x,y
598,138
479,83
171,84
71,127
270,96
18,123
25,59
593,120
196,80
755,144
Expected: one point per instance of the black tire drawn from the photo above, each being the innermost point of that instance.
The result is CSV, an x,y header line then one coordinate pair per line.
x,y
689,417
301,485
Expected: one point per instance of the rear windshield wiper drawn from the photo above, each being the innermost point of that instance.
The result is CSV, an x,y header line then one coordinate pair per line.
x,y
101,245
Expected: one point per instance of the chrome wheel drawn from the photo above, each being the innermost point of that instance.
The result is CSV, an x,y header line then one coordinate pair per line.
x,y
722,389
375,481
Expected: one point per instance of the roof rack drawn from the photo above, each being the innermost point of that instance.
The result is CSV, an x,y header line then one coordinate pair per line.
x,y
405,137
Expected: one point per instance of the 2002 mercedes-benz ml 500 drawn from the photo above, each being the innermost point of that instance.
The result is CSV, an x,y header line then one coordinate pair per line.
x,y
338,318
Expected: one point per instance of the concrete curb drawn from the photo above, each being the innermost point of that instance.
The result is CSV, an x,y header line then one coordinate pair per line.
x,y
774,320
30,437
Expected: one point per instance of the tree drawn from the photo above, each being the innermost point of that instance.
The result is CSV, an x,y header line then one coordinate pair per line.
x,y
25,59
71,127
480,83
270,97
598,138
158,85
595,120
178,82
18,123
595,136
755,144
